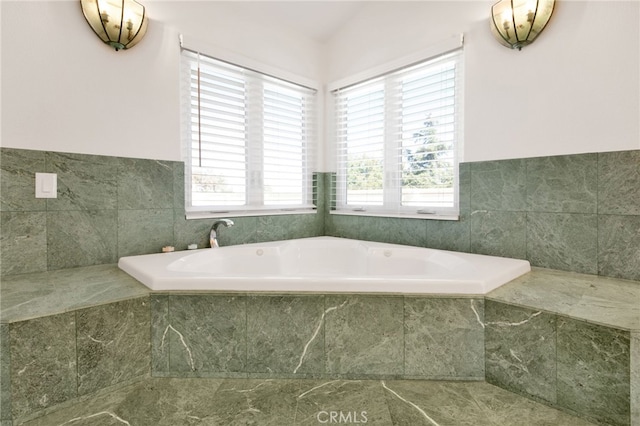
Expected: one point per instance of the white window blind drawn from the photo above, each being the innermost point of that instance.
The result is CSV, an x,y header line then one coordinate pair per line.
x,y
397,141
250,140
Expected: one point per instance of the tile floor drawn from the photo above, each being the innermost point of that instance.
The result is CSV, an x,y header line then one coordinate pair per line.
x,y
175,402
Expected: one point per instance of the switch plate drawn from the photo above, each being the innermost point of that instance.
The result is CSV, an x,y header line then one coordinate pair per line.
x,y
46,185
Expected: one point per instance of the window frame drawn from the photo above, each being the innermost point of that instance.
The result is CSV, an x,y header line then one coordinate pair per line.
x,y
392,204
254,204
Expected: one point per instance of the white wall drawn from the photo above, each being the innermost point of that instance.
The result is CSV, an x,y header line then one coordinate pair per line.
x,y
65,90
575,90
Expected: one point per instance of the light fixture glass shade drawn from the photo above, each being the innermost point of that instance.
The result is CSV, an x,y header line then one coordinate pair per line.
x,y
516,23
119,23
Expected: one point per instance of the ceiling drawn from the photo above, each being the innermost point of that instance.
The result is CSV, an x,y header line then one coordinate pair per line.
x,y
318,20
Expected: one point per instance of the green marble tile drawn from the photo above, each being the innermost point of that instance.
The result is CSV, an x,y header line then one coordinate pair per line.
x,y
563,241
18,169
467,404
364,335
244,231
144,231
520,350
564,184
593,371
193,231
154,402
343,226
619,182
285,334
81,238
284,227
601,300
85,182
113,344
341,401
619,246
444,338
464,187
5,373
452,235
28,296
206,334
145,184
43,363
159,305
178,186
498,233
634,373
23,242
498,185
412,232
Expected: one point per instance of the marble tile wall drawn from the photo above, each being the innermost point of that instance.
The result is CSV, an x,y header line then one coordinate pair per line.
x,y
568,363
576,213
317,336
108,207
53,359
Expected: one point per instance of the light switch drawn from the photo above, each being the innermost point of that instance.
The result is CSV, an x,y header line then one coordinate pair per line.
x,y
46,185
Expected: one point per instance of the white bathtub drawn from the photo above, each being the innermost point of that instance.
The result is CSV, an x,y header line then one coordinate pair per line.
x,y
324,265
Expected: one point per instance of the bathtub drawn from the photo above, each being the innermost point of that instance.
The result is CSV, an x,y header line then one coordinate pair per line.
x,y
324,265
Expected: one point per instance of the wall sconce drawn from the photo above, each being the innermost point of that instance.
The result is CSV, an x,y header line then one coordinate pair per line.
x,y
516,23
119,23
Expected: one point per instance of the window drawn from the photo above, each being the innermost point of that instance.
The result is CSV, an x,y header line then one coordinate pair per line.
x,y
249,140
397,141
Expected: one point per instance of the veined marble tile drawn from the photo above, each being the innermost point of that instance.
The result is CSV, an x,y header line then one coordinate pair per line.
x,y
433,403
81,238
444,338
18,169
498,185
206,334
144,231
520,350
600,300
464,183
23,242
43,363
154,402
259,402
5,373
498,233
178,186
113,343
343,226
564,183
285,334
619,246
193,231
635,378
145,184
593,371
35,295
341,401
284,227
364,335
563,241
393,230
450,235
159,323
244,231
85,182
619,182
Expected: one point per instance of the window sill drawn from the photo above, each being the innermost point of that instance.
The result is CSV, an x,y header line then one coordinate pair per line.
x,y
423,216
246,213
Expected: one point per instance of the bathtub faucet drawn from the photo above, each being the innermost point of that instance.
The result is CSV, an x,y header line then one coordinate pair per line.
x,y
213,235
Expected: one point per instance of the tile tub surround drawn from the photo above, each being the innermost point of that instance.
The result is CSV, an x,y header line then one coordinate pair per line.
x,y
578,213
69,333
171,402
109,207
569,340
332,336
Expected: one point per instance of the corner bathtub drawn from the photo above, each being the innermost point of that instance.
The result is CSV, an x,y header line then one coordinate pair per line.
x,y
324,265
